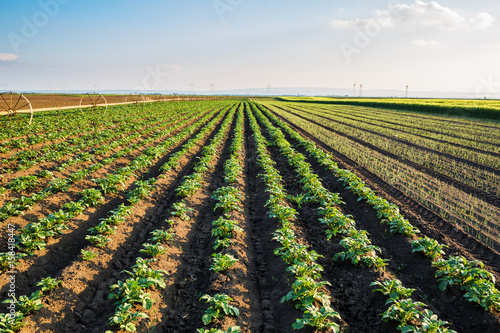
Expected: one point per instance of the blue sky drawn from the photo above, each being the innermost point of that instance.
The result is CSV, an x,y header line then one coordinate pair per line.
x,y
444,45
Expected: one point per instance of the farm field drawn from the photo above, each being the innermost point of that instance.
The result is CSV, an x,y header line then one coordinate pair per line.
x,y
49,101
257,215
480,109
449,166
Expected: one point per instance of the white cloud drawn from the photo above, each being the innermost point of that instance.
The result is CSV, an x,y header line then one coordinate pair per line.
x,y
423,42
419,13
8,57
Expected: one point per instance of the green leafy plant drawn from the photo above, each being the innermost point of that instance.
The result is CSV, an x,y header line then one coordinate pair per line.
x,y
118,215
111,183
143,190
393,289
124,317
45,174
432,324
459,271
429,246
306,269
232,169
399,225
222,243
306,292
151,276
98,240
11,325
162,236
359,249
219,305
299,199
484,293
88,255
8,262
403,311
102,229
222,262
320,319
58,185
29,243
337,222
75,208
23,183
181,210
153,249
132,291
228,198
48,283
91,197
224,227
28,304
189,186
283,213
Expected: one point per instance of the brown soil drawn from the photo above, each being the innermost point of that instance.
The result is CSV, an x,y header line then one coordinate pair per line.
x,y
45,101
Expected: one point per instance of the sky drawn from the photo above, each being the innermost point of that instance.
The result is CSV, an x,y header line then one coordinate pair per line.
x,y
156,45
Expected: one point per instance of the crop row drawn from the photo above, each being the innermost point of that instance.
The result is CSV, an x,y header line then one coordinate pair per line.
x,y
98,236
57,125
463,133
472,168
17,205
478,283
487,109
66,145
356,242
33,236
142,190
132,291
224,228
471,213
307,290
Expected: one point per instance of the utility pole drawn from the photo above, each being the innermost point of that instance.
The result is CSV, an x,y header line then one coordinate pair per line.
x,y
406,91
354,90
360,90
268,89
212,89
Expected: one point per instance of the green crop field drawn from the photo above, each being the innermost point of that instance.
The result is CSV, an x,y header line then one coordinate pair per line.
x,y
249,215
483,109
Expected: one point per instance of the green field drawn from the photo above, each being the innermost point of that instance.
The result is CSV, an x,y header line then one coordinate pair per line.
x,y
248,215
450,165
483,109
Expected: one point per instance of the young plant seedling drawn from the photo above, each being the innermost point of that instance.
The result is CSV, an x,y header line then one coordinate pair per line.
x,y
48,283
222,262
219,305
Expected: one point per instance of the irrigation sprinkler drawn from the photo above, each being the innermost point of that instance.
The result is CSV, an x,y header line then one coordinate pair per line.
x,y
135,99
94,101
12,105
